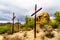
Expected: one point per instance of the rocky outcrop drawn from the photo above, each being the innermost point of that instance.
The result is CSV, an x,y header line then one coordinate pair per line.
x,y
42,19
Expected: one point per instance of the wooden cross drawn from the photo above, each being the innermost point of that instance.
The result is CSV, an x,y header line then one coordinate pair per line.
x,y
13,23
35,19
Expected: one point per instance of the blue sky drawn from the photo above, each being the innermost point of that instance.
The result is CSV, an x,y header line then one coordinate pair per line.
x,y
21,8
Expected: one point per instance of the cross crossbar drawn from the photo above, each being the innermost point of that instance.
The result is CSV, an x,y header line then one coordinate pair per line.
x,y
36,11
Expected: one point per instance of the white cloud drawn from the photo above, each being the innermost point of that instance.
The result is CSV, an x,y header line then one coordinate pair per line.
x,y
26,7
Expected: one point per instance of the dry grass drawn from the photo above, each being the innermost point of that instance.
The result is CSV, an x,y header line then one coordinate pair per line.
x,y
29,35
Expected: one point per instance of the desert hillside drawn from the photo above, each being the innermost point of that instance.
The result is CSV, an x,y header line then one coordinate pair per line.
x,y
29,35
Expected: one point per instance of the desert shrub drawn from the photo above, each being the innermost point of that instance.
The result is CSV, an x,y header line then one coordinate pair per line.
x,y
29,23
57,16
54,24
3,30
56,21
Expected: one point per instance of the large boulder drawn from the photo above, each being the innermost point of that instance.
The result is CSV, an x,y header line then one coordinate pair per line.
x,y
42,19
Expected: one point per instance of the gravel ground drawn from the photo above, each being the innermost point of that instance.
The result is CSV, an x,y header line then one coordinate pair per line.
x,y
29,35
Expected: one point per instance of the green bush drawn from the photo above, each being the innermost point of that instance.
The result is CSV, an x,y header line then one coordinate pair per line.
x,y
54,24
29,23
3,30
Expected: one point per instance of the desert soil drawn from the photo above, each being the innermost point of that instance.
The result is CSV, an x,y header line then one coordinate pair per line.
x,y
29,35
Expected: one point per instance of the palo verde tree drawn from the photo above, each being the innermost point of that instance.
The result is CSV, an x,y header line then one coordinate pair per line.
x,y
29,22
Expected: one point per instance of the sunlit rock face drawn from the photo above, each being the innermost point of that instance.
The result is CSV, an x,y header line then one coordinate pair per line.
x,y
42,18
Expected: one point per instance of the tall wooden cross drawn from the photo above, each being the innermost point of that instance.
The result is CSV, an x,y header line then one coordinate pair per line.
x,y
13,23
35,19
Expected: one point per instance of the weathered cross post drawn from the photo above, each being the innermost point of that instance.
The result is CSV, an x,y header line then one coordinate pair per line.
x,y
35,19
13,23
